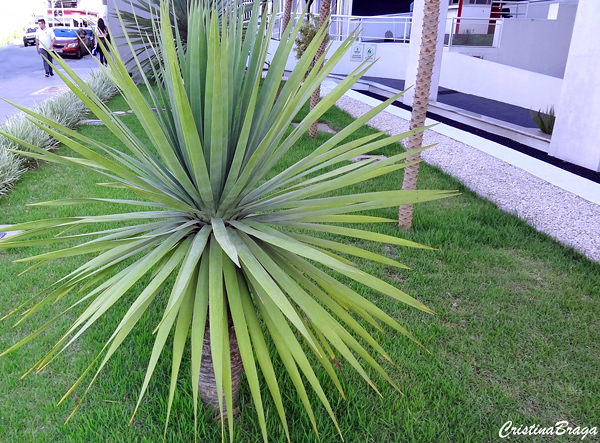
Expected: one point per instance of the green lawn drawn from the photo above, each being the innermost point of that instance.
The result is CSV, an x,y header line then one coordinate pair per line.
x,y
515,336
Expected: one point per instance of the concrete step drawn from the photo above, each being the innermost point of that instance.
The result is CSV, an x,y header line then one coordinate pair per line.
x,y
531,137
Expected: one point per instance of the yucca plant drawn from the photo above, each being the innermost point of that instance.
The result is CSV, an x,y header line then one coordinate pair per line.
x,y
11,168
141,23
247,268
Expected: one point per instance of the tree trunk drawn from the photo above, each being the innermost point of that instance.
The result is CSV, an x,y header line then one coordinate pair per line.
x,y
287,14
207,384
324,12
420,102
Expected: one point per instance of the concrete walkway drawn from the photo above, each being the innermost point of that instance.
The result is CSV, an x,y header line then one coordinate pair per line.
x,y
25,83
22,81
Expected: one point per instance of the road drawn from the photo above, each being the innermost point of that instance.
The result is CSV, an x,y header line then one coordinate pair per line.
x,y
22,79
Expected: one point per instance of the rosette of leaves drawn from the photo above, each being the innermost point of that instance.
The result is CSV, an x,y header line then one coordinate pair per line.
x,y
544,120
235,250
140,25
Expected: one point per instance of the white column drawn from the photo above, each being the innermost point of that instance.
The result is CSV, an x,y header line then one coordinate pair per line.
x,y
415,46
576,136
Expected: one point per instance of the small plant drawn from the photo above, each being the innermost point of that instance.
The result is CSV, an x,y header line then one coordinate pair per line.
x,y
23,129
307,33
102,85
544,120
10,170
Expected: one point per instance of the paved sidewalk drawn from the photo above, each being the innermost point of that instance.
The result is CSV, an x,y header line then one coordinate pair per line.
x,y
27,86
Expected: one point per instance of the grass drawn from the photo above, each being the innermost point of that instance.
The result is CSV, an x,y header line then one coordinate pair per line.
x,y
514,337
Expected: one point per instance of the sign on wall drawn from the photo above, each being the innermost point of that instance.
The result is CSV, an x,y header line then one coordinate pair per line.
x,y
357,52
370,51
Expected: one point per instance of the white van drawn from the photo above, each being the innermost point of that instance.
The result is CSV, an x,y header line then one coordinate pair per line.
x,y
29,37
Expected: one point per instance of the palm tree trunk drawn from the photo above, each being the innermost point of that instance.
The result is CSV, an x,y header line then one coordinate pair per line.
x,y
324,13
420,102
207,384
287,14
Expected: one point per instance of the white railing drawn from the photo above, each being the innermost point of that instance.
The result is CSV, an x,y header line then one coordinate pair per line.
x,y
474,32
393,28
460,31
381,28
519,9
510,9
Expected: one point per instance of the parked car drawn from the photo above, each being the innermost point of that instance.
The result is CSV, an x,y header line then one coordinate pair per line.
x,y
73,42
29,37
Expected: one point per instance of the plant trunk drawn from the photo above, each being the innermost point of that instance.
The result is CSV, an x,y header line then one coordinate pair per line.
x,y
287,14
420,102
314,101
207,384
324,13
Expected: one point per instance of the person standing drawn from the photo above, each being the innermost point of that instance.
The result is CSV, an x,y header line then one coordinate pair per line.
x,y
103,37
44,43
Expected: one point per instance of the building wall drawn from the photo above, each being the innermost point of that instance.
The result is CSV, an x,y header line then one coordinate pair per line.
x,y
576,136
390,60
114,25
538,11
461,73
507,84
538,45
475,26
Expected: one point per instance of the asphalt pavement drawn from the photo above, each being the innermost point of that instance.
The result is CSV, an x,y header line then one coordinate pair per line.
x,y
23,81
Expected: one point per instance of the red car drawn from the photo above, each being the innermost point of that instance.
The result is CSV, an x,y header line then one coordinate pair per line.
x,y
72,42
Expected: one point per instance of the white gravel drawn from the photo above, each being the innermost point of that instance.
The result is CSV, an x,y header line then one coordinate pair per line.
x,y
563,215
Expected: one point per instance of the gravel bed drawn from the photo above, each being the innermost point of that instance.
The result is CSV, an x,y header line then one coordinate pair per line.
x,y
568,218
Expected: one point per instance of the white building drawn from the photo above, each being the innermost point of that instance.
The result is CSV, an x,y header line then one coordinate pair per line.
x,y
74,13
533,54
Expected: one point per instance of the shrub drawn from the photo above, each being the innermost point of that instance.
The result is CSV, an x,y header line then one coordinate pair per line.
x,y
11,169
307,32
102,85
544,120
21,128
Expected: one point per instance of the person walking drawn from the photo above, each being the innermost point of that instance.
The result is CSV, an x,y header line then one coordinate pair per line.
x,y
44,43
103,37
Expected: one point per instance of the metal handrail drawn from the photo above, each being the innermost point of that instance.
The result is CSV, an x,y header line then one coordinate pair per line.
x,y
341,26
517,9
